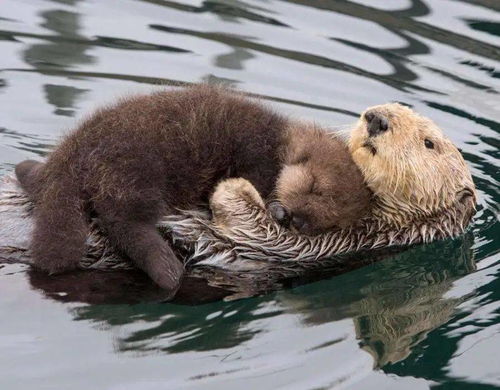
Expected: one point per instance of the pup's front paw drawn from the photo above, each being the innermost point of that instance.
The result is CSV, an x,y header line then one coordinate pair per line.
x,y
230,189
232,200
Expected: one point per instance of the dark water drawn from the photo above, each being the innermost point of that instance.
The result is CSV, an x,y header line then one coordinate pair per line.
x,y
429,317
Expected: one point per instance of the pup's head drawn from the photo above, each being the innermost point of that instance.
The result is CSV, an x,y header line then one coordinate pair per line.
x,y
319,187
413,170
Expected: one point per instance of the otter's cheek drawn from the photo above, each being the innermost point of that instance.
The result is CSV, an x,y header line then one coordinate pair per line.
x,y
363,158
357,138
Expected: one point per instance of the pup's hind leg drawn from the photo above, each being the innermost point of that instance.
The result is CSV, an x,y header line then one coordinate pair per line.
x,y
140,241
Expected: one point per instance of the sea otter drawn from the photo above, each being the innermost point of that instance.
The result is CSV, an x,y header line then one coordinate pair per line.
x,y
414,172
148,156
241,247
422,191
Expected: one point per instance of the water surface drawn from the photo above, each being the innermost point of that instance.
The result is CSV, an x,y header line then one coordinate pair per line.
x,y
429,317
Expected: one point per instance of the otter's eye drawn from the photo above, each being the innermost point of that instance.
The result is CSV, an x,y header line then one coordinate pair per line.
x,y
428,144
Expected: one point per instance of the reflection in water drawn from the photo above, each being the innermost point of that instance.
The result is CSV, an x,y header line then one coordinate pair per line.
x,y
394,304
392,324
60,55
399,58
442,346
229,10
65,53
312,59
233,60
485,26
175,329
402,21
63,97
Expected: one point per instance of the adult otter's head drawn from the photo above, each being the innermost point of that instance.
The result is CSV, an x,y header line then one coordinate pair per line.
x,y
414,171
320,187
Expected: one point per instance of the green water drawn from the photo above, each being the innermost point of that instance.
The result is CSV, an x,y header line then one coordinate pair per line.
x,y
428,317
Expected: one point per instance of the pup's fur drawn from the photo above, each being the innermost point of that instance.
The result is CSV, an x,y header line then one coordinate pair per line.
x,y
319,183
147,156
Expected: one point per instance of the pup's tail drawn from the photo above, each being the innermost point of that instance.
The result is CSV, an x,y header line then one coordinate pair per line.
x,y
61,226
27,173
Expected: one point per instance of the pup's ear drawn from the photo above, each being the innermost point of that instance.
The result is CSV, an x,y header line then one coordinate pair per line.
x,y
298,153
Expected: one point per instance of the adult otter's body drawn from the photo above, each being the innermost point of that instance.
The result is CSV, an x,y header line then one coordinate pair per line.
x,y
131,163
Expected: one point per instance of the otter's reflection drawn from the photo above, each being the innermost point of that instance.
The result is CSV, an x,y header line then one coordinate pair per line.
x,y
393,303
60,54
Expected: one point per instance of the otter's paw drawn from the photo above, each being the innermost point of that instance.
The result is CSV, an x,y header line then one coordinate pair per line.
x,y
231,189
233,198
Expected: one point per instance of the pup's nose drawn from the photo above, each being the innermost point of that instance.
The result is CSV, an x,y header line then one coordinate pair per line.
x,y
376,123
299,223
279,213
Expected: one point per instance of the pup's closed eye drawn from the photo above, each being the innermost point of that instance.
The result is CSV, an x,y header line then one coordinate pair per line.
x,y
301,159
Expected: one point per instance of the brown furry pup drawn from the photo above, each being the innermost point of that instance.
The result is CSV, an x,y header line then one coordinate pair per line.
x,y
130,163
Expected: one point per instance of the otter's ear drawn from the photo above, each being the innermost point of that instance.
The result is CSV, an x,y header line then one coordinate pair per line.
x,y
466,195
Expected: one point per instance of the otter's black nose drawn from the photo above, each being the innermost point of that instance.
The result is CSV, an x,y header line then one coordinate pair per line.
x,y
279,213
376,123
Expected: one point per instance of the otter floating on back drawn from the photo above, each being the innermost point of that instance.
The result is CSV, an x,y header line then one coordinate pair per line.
x,y
422,188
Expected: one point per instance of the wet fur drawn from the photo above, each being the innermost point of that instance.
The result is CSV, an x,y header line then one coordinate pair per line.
x,y
148,156
318,182
410,182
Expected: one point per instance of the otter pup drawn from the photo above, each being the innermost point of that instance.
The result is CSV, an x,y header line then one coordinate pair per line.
x,y
148,156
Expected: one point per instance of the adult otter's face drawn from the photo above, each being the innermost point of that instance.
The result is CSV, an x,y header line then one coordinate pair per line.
x,y
412,168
